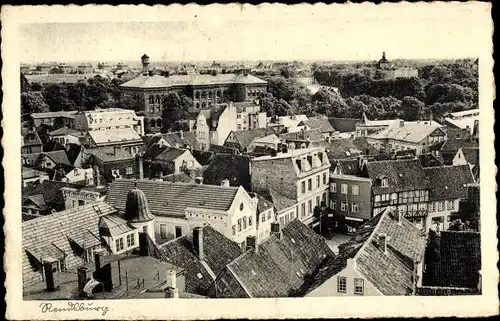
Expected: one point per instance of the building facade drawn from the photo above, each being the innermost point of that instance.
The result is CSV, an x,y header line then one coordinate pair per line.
x,y
109,119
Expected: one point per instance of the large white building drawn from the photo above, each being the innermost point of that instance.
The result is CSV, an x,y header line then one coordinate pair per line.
x,y
107,119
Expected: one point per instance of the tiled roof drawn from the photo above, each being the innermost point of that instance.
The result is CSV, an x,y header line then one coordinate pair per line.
x,y
114,136
178,178
280,201
65,131
106,155
218,252
203,157
364,146
171,199
235,168
402,175
320,123
222,149
154,151
113,225
50,235
414,131
391,272
342,148
455,144
349,166
157,81
73,150
59,78
170,154
51,191
281,265
58,157
429,160
32,139
245,137
305,135
39,201
455,133
448,182
453,259
180,139
344,125
471,155
28,173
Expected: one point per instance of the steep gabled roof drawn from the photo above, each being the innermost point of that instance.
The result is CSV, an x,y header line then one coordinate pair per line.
x,y
320,123
344,125
51,191
218,251
245,137
281,265
58,157
31,139
448,182
235,168
171,199
402,175
471,155
304,135
342,148
170,154
455,144
123,135
414,131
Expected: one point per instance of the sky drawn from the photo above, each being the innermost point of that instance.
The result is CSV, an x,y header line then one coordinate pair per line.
x,y
358,36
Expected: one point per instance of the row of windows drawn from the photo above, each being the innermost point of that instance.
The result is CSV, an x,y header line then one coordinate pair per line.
x,y
310,205
130,239
128,171
163,231
412,207
242,224
310,183
344,207
441,206
268,217
285,219
344,189
359,285
404,197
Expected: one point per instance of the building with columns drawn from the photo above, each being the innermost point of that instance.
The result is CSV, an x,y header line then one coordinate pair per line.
x,y
205,89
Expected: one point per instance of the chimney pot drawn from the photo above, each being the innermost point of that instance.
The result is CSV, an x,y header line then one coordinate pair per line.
x,y
49,276
172,278
171,293
276,229
198,242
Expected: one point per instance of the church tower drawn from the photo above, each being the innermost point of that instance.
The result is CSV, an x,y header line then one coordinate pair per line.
x,y
145,64
138,215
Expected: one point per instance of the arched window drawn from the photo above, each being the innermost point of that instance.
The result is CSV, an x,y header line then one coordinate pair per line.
x,y
152,123
158,122
203,94
198,105
151,99
157,99
384,182
197,95
209,94
203,105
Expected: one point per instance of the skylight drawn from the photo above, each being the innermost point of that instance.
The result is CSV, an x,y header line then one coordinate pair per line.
x,y
199,276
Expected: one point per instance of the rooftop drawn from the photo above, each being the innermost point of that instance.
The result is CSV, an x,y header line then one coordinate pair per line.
x,y
401,174
124,135
414,131
448,182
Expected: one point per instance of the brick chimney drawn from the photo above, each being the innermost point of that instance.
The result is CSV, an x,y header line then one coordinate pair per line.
x,y
382,242
98,254
198,242
83,275
171,291
50,281
225,182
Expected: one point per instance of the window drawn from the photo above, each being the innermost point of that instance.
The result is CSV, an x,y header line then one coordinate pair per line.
x,y
333,187
377,198
343,188
450,205
341,284
238,127
81,203
343,206
440,206
324,178
269,215
130,240
309,184
241,207
245,222
129,171
163,231
178,231
431,207
119,244
359,287
310,206
234,229
239,225
318,181
355,207
303,187
303,209
355,190
263,218
333,204
384,182
249,221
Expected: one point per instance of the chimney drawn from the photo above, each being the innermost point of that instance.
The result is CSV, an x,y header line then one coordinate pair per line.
x,y
198,242
397,217
98,254
140,165
97,174
114,150
181,132
224,182
199,180
83,276
401,123
252,243
49,276
382,242
276,229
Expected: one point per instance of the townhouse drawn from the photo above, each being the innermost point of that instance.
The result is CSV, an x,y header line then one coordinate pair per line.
x,y
109,118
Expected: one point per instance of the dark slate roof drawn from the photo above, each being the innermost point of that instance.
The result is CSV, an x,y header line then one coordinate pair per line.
x,y
454,259
364,146
170,154
51,191
448,182
47,235
202,157
320,123
429,160
455,144
235,168
444,291
39,201
304,135
181,139
58,157
279,201
218,251
261,151
344,125
32,139
471,155
262,203
154,151
222,149
402,174
52,145
349,166
171,199
176,178
281,265
455,133
73,151
342,148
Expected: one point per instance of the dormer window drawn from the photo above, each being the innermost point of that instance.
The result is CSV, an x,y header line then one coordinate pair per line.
x,y
384,182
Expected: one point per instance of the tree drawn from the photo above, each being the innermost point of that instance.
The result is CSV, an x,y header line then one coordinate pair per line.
x,y
275,107
32,102
175,108
288,72
411,108
56,96
25,84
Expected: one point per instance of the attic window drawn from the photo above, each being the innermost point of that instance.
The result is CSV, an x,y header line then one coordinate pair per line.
x,y
347,153
301,271
298,274
293,241
199,276
254,273
165,204
446,187
384,182
202,202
